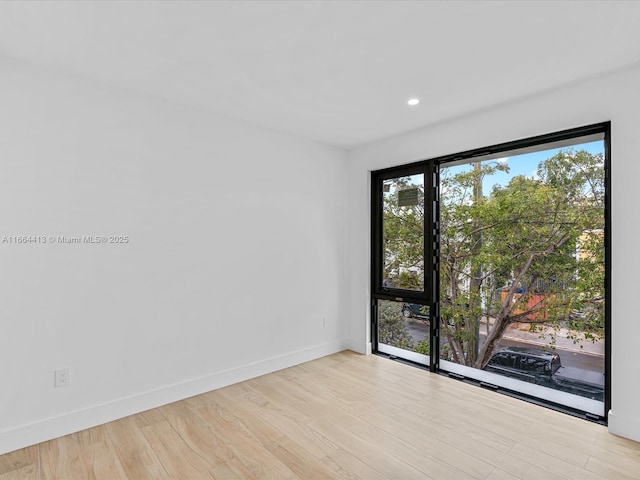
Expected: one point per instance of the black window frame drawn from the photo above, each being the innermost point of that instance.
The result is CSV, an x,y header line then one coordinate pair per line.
x,y
430,296
390,293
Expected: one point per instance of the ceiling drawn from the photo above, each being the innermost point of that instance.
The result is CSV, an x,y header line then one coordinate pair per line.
x,y
338,72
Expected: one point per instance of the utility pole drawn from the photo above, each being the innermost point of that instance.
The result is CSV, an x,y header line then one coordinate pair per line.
x,y
476,267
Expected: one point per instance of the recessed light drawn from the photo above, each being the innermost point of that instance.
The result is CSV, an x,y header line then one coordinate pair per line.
x,y
413,102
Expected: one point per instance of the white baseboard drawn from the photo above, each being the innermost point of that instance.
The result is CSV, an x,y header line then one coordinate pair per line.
x,y
47,429
627,427
359,347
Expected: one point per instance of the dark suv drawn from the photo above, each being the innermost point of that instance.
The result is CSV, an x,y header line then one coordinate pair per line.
x,y
415,310
541,367
532,365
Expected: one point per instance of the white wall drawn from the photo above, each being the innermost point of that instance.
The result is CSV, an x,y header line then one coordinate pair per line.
x,y
236,252
613,97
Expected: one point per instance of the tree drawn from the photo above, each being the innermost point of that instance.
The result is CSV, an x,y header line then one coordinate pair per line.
x,y
403,235
522,238
530,251
403,240
392,330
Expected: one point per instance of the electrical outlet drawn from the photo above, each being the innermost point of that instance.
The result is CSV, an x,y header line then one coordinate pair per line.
x,y
61,378
324,321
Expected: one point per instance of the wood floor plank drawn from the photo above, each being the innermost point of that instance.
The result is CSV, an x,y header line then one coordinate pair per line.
x,y
245,414
231,470
300,432
197,434
413,437
345,416
609,469
498,474
62,458
28,472
552,464
346,466
298,460
133,450
101,460
19,460
442,460
149,417
244,445
618,445
176,457
370,451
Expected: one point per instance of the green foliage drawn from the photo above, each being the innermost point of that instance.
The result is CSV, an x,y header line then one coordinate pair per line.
x,y
423,346
522,238
403,236
392,328
529,251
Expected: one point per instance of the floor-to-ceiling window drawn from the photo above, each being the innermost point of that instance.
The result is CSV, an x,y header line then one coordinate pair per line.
x,y
491,265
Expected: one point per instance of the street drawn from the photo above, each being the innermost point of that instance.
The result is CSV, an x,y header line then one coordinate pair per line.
x,y
569,358
570,355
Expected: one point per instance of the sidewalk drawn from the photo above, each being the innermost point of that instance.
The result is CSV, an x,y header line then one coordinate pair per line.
x,y
520,333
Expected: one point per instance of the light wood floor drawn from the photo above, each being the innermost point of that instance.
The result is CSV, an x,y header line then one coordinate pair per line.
x,y
345,416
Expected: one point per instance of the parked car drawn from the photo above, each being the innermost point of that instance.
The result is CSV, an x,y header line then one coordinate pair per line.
x,y
532,365
545,368
415,310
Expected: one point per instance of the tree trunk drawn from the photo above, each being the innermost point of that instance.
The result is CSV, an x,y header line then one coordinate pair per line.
x,y
457,352
500,325
502,318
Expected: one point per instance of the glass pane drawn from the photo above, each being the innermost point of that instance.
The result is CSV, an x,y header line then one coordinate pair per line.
x,y
404,327
522,269
403,233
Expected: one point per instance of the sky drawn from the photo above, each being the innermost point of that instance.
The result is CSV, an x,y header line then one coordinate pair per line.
x,y
526,164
